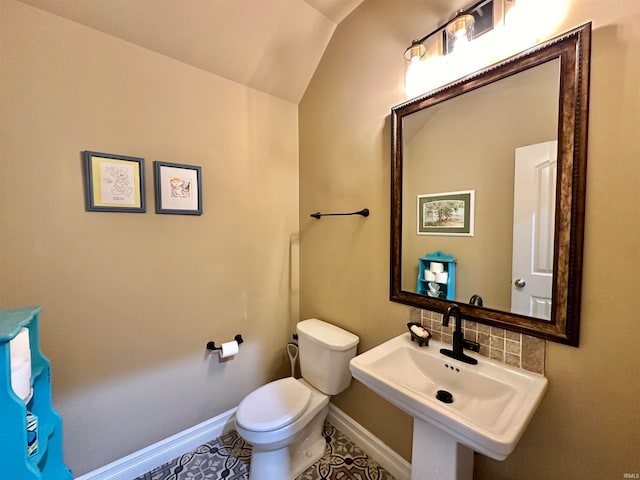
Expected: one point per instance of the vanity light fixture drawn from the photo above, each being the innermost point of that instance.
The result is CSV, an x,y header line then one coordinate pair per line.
x,y
415,52
425,54
460,29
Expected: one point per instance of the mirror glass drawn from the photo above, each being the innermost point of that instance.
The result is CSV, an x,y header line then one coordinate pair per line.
x,y
488,181
469,143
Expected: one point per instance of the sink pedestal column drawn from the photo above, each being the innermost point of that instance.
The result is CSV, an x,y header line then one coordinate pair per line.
x,y
437,455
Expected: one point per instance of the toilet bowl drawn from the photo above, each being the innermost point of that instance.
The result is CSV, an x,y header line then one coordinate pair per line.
x,y
283,419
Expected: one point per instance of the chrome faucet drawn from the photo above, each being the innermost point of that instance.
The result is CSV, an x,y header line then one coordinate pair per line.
x,y
458,337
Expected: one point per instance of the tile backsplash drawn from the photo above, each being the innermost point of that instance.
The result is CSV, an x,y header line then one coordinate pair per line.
x,y
516,349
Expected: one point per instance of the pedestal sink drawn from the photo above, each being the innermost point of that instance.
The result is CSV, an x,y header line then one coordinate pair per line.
x,y
457,408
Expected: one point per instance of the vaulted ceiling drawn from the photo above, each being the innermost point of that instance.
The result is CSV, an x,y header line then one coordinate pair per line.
x,y
271,45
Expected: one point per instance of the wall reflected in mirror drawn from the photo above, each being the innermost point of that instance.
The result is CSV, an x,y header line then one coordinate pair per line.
x,y
470,142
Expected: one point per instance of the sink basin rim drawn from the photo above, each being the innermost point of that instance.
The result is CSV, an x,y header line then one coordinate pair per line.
x,y
496,444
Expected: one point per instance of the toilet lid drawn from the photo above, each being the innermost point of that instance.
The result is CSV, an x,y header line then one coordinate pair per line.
x,y
273,405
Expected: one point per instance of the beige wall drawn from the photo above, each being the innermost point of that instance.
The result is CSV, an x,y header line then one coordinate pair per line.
x,y
130,300
587,425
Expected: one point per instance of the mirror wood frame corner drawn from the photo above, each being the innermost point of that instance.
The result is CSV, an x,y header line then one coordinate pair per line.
x,y
573,51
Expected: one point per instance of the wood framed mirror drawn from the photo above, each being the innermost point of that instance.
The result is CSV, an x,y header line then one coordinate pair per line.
x,y
527,114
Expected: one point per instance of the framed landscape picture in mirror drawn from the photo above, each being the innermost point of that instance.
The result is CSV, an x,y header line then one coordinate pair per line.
x,y
448,213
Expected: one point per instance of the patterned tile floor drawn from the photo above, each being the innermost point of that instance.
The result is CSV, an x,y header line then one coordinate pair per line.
x,y
227,458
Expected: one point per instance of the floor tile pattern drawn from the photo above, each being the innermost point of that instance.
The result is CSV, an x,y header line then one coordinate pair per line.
x,y
228,458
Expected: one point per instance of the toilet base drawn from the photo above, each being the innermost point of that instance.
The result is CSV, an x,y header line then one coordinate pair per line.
x,y
288,462
270,464
307,450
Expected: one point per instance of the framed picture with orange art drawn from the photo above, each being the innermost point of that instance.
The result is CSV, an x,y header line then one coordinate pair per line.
x,y
178,188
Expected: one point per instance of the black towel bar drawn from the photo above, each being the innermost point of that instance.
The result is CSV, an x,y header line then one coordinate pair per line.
x,y
364,212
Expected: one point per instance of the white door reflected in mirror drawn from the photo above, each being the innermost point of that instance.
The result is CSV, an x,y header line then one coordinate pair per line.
x,y
534,193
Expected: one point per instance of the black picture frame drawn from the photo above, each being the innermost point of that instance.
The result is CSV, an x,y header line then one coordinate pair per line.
x,y
114,183
178,188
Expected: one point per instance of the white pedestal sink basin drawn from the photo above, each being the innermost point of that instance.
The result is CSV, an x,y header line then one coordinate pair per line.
x,y
490,403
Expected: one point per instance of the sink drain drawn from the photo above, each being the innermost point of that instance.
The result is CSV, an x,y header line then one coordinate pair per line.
x,y
444,396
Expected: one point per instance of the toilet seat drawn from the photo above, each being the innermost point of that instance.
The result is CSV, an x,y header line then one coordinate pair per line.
x,y
274,405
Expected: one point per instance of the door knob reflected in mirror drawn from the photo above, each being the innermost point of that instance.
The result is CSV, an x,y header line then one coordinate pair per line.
x,y
520,283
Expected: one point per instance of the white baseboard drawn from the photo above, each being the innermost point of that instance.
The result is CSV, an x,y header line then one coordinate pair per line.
x,y
375,448
142,461
145,460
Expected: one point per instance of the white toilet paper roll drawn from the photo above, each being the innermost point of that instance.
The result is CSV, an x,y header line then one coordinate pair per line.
x,y
436,267
429,276
21,379
442,277
19,346
228,349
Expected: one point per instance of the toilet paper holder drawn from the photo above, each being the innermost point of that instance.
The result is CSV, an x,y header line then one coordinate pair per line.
x,y
212,345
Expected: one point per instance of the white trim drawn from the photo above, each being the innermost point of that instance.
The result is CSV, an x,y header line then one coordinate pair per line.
x,y
145,460
372,445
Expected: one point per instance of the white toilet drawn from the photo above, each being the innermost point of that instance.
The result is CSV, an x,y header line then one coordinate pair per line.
x,y
283,419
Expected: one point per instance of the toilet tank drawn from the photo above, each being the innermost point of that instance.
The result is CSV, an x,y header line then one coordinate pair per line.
x,y
325,352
